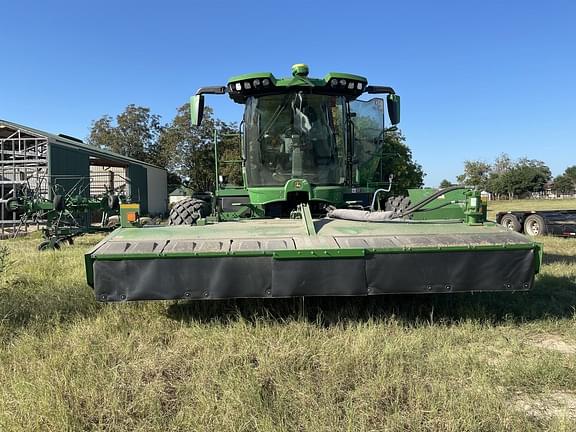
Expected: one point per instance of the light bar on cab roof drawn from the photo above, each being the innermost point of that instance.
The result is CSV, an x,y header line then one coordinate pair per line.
x,y
346,83
251,83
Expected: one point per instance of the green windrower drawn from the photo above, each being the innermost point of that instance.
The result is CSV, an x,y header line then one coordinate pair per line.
x,y
314,214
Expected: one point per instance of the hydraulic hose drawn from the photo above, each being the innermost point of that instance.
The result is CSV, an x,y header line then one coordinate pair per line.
x,y
389,216
442,205
429,199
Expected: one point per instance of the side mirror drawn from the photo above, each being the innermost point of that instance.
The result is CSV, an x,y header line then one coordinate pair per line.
x,y
393,102
196,109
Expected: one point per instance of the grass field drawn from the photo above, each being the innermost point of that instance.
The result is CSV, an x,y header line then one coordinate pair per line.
x,y
486,362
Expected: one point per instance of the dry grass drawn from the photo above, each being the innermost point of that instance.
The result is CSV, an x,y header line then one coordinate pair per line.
x,y
548,405
556,343
435,363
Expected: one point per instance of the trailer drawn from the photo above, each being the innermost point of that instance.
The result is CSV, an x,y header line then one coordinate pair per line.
x,y
540,222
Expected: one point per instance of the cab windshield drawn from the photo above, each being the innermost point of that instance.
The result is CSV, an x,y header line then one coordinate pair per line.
x,y
295,135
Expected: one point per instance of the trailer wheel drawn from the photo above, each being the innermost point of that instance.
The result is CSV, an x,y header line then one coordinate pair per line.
x,y
188,211
511,222
534,225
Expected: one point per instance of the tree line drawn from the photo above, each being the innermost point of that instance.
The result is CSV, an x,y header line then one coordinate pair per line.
x,y
187,153
507,178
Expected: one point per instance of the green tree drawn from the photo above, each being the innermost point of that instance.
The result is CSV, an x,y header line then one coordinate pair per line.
x,y
506,177
445,183
135,133
523,177
563,184
397,159
193,158
502,164
230,153
193,149
174,181
571,173
534,174
476,174
498,178
497,184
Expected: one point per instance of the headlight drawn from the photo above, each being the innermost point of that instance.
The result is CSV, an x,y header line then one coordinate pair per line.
x,y
345,84
242,86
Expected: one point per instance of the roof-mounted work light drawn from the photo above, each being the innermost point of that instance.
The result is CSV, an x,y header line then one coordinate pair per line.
x,y
345,83
242,86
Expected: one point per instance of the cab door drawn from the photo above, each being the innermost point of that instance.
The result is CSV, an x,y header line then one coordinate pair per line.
x,y
368,140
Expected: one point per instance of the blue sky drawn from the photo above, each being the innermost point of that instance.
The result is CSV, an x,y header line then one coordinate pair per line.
x,y
476,78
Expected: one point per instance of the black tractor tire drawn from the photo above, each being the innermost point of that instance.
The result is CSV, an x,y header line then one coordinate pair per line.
x,y
397,204
188,211
44,245
535,226
113,202
59,202
511,222
49,245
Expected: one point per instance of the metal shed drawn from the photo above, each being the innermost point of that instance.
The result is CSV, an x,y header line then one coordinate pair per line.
x,y
179,194
43,161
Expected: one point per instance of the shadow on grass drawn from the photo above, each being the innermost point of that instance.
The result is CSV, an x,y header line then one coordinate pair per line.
x,y
21,307
559,259
552,297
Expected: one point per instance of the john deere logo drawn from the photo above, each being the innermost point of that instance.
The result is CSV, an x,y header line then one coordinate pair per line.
x,y
298,184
